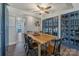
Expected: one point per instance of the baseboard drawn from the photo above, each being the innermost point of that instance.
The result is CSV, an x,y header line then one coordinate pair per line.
x,y
12,43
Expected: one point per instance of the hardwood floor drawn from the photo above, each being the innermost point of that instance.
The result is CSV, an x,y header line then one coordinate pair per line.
x,y
11,49
17,49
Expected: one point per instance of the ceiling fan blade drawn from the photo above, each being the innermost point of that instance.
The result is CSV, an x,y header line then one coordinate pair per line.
x,y
38,6
41,8
48,7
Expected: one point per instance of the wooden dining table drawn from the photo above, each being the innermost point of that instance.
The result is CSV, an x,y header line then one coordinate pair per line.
x,y
41,38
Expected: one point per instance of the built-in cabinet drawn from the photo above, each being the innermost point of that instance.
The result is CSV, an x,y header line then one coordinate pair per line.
x,y
50,26
69,28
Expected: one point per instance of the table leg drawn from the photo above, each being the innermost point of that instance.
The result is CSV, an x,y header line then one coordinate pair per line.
x,y
39,49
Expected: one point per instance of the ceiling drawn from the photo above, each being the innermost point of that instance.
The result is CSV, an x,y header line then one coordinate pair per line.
x,y
31,7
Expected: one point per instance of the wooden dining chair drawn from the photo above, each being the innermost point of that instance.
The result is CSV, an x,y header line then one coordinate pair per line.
x,y
53,49
47,50
50,49
57,47
32,44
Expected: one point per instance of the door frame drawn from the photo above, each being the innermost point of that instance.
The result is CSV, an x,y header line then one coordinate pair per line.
x,y
3,29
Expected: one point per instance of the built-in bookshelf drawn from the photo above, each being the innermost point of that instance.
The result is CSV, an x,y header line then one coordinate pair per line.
x,y
70,29
50,25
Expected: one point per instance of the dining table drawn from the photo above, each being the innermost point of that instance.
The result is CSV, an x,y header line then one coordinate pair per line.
x,y
41,38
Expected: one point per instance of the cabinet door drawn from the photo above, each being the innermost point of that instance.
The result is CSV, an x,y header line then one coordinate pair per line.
x,y
50,22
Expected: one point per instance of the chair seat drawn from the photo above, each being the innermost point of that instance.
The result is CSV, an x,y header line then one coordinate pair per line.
x,y
33,52
47,51
34,44
50,49
43,52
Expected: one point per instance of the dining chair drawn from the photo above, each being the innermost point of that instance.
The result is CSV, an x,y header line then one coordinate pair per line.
x,y
57,47
30,47
47,49
50,49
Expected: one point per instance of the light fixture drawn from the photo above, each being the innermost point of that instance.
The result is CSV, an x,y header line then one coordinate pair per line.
x,y
43,8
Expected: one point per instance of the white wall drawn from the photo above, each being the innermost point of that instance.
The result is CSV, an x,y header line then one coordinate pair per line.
x,y
14,13
29,24
12,30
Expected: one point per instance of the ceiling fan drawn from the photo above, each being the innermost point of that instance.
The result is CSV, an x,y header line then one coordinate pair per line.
x,y
43,9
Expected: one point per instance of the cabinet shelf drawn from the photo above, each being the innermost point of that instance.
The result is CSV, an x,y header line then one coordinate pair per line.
x,y
70,23
51,24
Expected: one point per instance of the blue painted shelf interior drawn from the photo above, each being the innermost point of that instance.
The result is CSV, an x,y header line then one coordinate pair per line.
x,y
50,26
70,29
